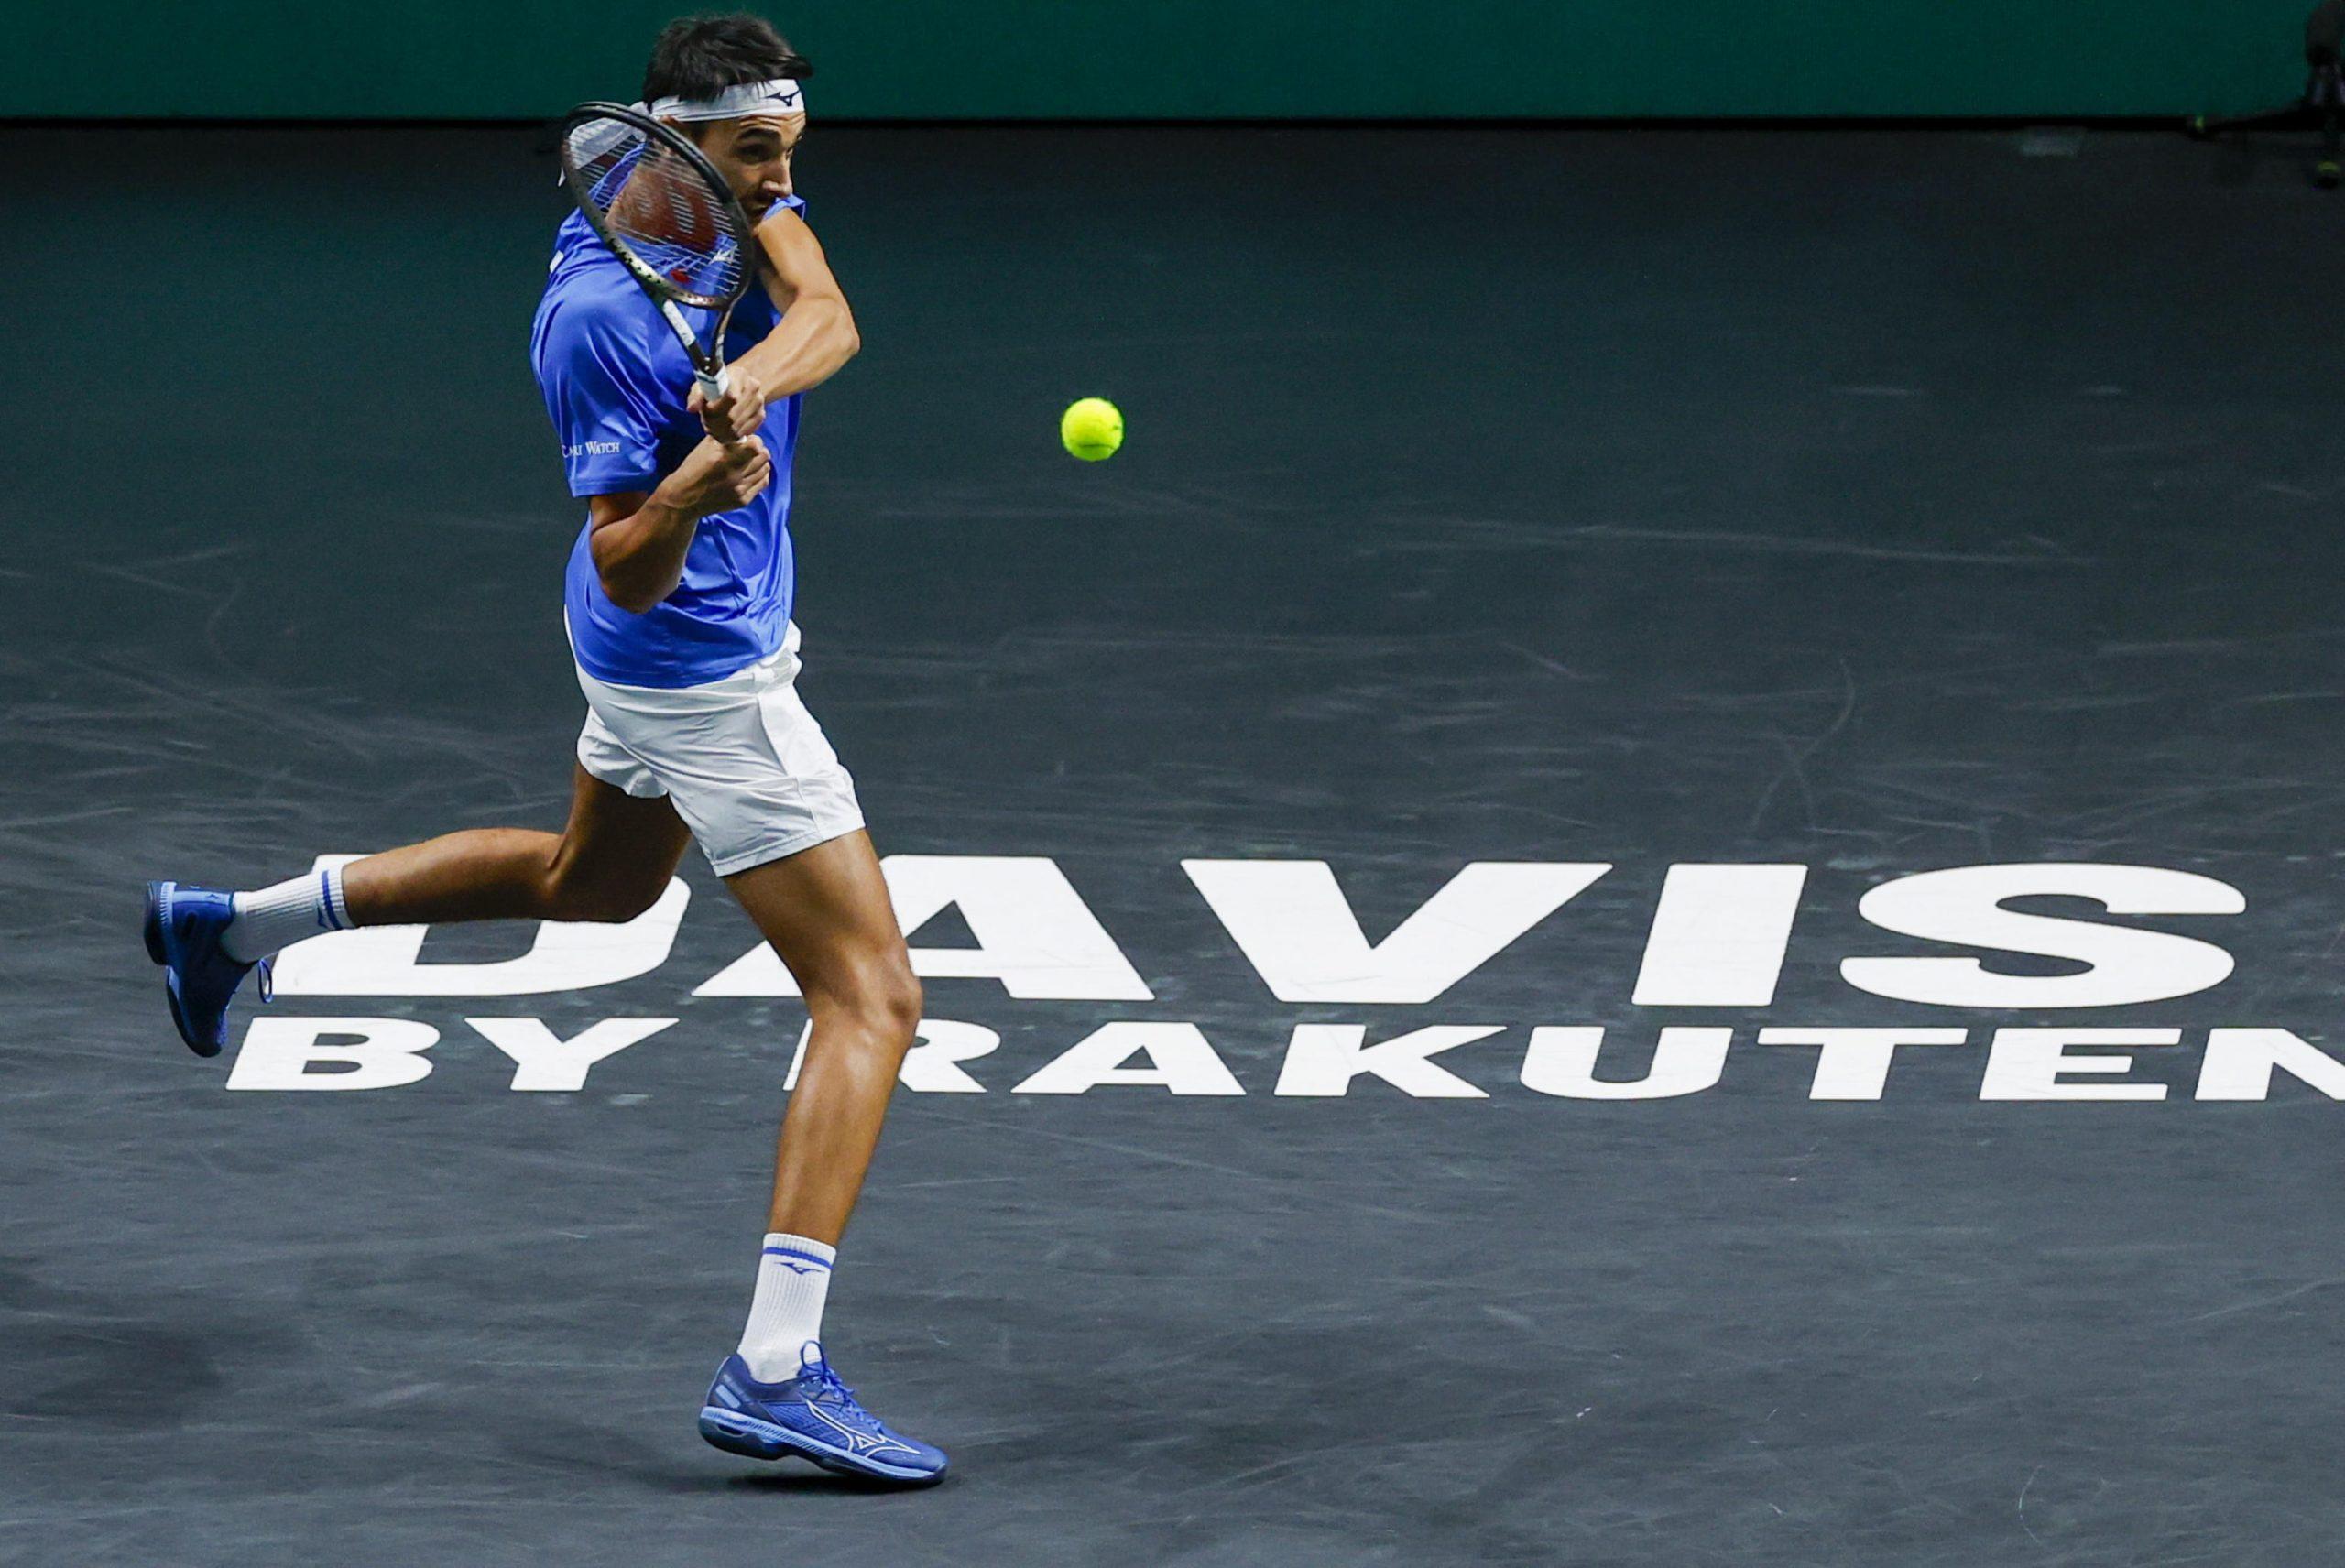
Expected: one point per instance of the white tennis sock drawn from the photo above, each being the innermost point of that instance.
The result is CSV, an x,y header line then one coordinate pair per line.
x,y
793,1280
279,916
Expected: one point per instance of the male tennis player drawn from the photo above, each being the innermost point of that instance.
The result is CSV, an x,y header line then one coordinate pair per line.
x,y
678,600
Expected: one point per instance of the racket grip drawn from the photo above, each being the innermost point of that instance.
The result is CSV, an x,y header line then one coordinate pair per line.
x,y
714,383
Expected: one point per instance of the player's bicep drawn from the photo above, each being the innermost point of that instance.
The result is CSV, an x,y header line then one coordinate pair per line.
x,y
607,538
795,267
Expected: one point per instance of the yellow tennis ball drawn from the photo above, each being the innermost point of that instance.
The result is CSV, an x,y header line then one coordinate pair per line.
x,y
1092,427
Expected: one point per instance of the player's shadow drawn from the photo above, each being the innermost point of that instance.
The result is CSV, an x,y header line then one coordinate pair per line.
x,y
788,1477
617,1458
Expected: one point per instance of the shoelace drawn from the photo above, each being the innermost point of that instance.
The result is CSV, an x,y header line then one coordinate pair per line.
x,y
827,1382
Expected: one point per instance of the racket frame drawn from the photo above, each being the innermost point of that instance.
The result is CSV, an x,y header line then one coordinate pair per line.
x,y
708,365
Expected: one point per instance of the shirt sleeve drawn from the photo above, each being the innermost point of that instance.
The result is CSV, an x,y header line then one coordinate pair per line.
x,y
604,396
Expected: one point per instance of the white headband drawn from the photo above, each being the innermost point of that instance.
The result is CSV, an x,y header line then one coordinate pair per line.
x,y
781,96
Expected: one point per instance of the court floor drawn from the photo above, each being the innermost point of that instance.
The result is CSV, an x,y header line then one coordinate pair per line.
x,y
1871,503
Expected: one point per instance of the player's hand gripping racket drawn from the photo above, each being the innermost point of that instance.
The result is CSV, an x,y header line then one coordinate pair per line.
x,y
669,218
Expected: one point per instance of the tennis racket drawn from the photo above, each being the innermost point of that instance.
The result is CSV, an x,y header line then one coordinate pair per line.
x,y
669,218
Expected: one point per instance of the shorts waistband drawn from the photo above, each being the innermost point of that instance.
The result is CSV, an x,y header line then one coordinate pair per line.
x,y
780,665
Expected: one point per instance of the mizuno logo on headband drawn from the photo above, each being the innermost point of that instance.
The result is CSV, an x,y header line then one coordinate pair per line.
x,y
780,96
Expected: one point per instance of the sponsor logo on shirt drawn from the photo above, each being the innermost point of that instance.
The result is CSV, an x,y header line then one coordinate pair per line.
x,y
591,448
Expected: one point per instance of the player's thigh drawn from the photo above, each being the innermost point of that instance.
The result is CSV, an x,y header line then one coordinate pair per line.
x,y
617,850
827,913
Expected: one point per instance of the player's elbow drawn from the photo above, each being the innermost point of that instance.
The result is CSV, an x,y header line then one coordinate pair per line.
x,y
632,597
626,585
839,325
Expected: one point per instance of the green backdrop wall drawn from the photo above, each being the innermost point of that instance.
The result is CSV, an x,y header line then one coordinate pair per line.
x,y
1181,59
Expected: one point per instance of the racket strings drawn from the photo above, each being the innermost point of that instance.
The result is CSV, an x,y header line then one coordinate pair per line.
x,y
659,206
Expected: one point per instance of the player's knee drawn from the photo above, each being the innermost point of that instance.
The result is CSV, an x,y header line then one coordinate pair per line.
x,y
889,1001
883,995
619,905
901,1000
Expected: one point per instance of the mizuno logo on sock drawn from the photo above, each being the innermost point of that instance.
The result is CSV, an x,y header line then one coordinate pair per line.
x,y
796,1262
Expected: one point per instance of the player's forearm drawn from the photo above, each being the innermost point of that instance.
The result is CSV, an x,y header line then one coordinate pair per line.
x,y
641,558
639,541
813,340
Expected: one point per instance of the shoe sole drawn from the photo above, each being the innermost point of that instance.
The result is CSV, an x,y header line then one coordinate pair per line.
x,y
158,949
153,929
754,1439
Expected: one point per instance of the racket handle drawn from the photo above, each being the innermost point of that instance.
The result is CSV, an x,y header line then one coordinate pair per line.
x,y
714,383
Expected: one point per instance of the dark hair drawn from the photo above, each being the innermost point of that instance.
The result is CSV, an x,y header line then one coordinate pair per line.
x,y
699,57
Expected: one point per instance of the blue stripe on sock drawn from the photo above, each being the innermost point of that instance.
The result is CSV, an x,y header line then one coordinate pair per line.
x,y
792,1252
325,900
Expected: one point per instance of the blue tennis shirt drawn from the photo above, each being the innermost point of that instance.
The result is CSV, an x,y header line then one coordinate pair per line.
x,y
616,381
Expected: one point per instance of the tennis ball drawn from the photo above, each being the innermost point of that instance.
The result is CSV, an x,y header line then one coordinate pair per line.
x,y
1091,428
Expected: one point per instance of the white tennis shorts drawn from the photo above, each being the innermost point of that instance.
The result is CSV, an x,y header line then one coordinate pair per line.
x,y
745,764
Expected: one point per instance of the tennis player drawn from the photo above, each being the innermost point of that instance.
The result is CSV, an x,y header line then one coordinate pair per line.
x,y
678,600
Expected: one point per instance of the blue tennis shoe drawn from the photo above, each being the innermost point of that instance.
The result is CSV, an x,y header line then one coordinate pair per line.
x,y
813,1416
183,929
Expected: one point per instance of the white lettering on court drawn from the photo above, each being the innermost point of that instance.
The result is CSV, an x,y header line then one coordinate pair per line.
x,y
1294,925
2037,1064
1854,1062
1562,1060
2238,1064
1180,1058
1962,906
1719,935
545,1062
333,1053
1322,1060
1035,932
